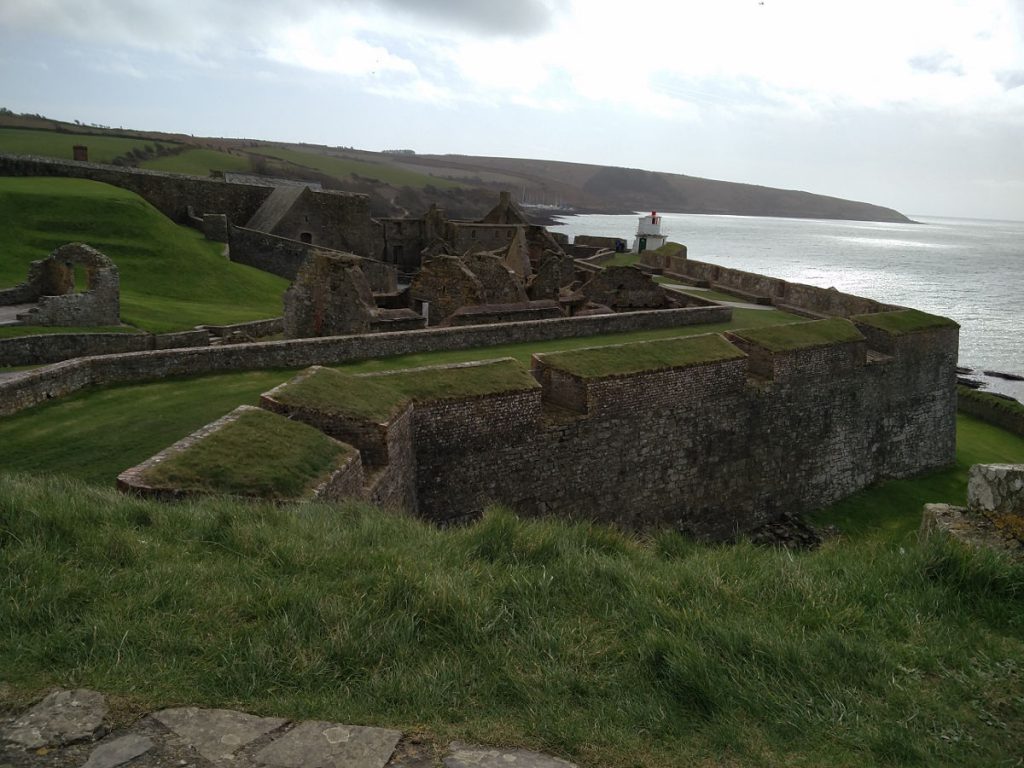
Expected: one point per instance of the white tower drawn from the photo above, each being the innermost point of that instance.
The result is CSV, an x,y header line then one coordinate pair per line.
x,y
648,234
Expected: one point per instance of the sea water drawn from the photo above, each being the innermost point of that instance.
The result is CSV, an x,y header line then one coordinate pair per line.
x,y
968,269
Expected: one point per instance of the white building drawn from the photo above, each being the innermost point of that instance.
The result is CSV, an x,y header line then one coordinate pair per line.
x,y
648,234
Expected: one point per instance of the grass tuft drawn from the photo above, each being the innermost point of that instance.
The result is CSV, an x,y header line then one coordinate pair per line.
x,y
903,321
806,335
256,454
623,359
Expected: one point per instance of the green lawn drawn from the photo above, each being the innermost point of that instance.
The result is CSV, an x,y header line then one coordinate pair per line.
x,y
171,277
343,167
102,149
199,162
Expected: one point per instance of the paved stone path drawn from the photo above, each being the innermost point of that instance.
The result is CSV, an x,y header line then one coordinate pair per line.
x,y
69,729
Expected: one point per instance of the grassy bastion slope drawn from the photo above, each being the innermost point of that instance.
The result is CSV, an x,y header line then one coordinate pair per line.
x,y
171,277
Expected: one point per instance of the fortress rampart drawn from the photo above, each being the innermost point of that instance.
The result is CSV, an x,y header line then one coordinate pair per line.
x,y
710,446
342,219
37,386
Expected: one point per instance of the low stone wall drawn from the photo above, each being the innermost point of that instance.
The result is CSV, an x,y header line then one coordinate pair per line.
x,y
809,298
992,410
255,329
70,376
45,348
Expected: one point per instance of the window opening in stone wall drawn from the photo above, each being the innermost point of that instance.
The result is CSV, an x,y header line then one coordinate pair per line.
x,y
306,237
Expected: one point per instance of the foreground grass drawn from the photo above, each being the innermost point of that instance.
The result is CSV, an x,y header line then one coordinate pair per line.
x,y
72,435
171,277
571,639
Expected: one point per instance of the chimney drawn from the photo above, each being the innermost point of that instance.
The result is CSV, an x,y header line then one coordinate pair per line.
x,y
81,153
504,198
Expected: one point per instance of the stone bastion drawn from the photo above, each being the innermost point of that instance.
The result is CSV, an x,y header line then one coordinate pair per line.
x,y
713,435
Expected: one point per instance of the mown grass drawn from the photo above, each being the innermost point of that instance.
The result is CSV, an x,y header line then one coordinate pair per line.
x,y
171,277
805,335
258,453
343,167
199,162
571,639
621,359
904,321
11,331
102,149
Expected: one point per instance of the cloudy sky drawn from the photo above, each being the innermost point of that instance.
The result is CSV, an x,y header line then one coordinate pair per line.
x,y
914,104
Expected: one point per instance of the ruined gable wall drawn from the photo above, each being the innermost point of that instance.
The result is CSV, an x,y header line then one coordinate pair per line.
x,y
336,220
283,257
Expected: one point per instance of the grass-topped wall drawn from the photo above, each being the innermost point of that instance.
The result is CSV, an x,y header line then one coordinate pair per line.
x,y
624,359
250,452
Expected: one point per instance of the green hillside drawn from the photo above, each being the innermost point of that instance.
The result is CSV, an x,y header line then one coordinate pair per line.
x,y
102,149
199,162
171,277
343,167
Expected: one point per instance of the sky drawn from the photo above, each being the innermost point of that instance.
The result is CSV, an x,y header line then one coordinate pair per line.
x,y
913,104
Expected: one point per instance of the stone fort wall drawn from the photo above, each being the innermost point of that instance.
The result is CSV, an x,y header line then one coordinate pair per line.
x,y
712,449
33,387
805,299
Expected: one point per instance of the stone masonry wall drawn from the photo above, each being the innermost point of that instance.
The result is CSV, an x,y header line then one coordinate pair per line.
x,y
37,386
820,301
701,448
42,349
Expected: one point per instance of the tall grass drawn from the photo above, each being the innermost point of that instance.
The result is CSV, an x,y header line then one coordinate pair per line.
x,y
573,639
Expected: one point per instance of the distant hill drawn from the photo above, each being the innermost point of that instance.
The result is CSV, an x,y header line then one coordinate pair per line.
x,y
620,190
403,183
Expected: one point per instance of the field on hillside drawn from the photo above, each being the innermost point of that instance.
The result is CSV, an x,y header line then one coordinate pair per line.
x,y
171,277
199,162
102,149
343,167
